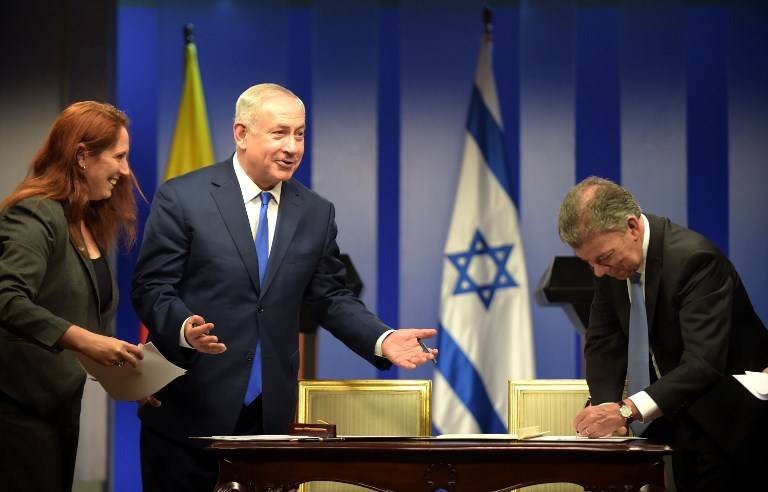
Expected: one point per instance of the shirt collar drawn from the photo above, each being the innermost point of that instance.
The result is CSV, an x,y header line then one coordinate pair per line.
x,y
646,241
248,188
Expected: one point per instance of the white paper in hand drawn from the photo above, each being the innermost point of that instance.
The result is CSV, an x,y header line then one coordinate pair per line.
x,y
129,383
755,382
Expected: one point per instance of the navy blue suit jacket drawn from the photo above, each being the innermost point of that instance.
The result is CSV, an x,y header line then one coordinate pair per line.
x,y
198,257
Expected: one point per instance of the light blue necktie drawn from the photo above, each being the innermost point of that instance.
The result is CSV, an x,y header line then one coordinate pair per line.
x,y
638,353
262,252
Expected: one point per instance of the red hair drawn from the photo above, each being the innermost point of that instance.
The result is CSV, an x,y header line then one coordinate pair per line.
x,y
54,173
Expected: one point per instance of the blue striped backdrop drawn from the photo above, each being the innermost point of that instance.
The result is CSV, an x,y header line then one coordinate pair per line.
x,y
669,98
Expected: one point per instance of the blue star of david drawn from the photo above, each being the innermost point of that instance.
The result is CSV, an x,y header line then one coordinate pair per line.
x,y
499,255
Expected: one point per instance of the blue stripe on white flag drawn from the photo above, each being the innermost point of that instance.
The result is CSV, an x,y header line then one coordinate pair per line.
x,y
489,138
467,383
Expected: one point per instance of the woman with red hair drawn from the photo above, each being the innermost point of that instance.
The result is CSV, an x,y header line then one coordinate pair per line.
x,y
57,293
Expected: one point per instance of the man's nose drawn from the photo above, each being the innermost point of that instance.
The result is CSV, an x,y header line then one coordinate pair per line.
x,y
597,269
290,144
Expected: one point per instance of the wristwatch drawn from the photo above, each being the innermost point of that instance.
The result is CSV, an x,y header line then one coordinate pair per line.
x,y
625,412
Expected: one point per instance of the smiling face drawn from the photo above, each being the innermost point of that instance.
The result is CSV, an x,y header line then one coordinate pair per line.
x,y
271,147
103,170
616,254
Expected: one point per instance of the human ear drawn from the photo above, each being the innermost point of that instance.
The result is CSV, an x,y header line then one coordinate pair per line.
x,y
239,131
80,156
634,226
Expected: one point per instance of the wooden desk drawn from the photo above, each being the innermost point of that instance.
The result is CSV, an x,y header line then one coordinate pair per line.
x,y
426,464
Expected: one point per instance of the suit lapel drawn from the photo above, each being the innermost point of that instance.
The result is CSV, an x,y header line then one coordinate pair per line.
x,y
229,200
653,264
288,218
88,266
622,302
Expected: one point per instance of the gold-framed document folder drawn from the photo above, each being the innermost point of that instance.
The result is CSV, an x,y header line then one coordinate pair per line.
x,y
365,407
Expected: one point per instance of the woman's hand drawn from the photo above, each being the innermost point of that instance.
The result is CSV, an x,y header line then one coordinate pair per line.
x,y
108,351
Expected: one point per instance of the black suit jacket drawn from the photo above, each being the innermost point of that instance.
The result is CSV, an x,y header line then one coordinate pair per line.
x,y
46,285
198,257
702,327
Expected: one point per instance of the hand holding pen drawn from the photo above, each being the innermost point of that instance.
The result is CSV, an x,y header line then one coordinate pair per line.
x,y
405,349
427,350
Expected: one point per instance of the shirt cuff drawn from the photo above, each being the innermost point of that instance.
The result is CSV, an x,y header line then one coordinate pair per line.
x,y
377,350
182,338
648,408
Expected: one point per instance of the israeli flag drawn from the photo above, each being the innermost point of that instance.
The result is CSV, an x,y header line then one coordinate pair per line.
x,y
485,333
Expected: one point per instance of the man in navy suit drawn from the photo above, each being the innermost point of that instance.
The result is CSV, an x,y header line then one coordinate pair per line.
x,y
701,329
230,253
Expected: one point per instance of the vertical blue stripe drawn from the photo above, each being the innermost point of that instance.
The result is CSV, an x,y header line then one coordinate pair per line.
x,y
299,75
506,67
707,119
598,125
598,133
388,204
137,96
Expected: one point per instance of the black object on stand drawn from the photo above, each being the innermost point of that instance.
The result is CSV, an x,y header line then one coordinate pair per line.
x,y
569,283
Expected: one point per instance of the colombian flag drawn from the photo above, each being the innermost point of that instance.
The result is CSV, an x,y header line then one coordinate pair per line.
x,y
191,146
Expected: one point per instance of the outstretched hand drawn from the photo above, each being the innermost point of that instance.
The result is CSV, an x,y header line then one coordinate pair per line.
x,y
401,347
197,334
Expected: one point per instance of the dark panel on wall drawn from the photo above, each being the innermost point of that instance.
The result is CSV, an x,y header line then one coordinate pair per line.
x,y
598,132
89,70
707,122
51,53
65,48
387,300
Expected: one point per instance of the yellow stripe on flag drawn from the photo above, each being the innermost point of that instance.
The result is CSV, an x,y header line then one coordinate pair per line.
x,y
191,145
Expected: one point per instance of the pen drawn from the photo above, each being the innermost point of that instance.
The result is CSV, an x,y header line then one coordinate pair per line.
x,y
425,349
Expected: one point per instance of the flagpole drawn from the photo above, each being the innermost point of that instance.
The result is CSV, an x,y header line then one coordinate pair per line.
x,y
189,34
487,21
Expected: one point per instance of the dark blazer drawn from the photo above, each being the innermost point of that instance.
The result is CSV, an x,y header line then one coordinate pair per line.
x,y
198,257
702,326
46,285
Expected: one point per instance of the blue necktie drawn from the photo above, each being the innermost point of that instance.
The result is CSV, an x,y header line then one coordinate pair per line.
x,y
262,252
638,353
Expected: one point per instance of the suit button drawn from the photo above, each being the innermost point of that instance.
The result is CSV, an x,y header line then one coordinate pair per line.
x,y
249,356
259,309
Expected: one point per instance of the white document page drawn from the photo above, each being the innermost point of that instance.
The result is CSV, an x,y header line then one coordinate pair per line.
x,y
755,382
129,383
583,439
262,437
